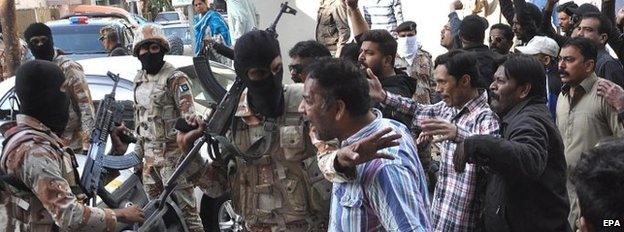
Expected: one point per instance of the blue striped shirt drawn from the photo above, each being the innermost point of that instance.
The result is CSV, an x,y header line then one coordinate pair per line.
x,y
386,195
382,14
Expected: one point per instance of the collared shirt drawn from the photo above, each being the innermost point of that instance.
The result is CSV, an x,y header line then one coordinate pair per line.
x,y
457,198
420,68
383,14
386,195
584,119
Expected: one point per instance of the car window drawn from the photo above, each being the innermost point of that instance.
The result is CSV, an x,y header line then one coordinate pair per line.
x,y
9,102
167,17
181,32
78,39
129,36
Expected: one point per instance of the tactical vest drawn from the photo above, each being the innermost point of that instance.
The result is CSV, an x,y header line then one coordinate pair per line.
x,y
156,125
285,184
25,206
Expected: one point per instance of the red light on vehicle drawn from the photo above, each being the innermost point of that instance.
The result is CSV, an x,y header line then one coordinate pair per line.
x,y
78,20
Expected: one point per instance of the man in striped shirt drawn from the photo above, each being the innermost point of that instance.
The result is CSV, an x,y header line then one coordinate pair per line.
x,y
386,194
464,111
383,14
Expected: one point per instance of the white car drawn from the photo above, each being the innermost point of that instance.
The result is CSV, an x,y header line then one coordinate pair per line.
x,y
100,84
170,17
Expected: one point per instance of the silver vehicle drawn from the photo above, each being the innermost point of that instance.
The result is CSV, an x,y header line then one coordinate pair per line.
x,y
170,17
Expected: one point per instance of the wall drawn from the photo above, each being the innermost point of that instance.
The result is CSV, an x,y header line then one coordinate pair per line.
x,y
429,16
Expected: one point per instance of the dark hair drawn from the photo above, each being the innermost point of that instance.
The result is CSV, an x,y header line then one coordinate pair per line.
x,y
460,63
506,29
309,49
587,47
527,69
599,181
567,8
605,24
111,33
342,80
406,26
529,18
350,52
387,44
472,28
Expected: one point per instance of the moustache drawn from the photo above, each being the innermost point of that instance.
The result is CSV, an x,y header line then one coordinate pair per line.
x,y
563,72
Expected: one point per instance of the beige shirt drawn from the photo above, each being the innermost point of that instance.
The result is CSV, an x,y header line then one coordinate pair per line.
x,y
585,119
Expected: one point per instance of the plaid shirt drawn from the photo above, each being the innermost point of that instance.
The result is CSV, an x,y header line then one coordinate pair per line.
x,y
457,198
386,195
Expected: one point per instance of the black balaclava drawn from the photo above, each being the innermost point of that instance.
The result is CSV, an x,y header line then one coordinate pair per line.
x,y
38,88
152,62
257,49
46,50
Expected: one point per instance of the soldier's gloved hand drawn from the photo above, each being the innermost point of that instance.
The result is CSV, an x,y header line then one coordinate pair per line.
x,y
119,147
186,139
131,214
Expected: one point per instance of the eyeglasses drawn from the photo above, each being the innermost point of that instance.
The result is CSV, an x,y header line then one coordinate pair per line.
x,y
295,68
102,38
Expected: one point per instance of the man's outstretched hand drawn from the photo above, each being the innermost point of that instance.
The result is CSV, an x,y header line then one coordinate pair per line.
x,y
367,149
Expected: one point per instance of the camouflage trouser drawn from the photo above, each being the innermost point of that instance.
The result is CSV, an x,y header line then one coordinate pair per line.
x,y
183,193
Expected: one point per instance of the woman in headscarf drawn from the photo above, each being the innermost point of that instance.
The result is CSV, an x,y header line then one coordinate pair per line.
x,y
209,22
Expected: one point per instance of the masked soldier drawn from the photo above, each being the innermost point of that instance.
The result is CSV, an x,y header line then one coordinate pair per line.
x,y
43,179
277,185
81,114
162,94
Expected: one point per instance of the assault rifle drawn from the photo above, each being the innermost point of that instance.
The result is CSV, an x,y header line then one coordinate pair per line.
x,y
108,116
284,8
201,63
163,209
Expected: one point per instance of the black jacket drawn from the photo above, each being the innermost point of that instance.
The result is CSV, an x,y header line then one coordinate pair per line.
x,y
119,50
485,61
526,187
400,84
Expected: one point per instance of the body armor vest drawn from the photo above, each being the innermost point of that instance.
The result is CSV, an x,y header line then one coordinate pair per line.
x,y
25,206
156,112
285,184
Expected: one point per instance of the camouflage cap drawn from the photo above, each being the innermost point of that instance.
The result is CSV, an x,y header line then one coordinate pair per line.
x,y
150,33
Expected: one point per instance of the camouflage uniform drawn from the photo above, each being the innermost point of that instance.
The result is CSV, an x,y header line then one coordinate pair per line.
x,y
421,69
82,112
159,100
34,155
283,190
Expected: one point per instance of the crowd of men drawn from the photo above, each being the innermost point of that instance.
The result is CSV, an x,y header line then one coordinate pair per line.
x,y
374,135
